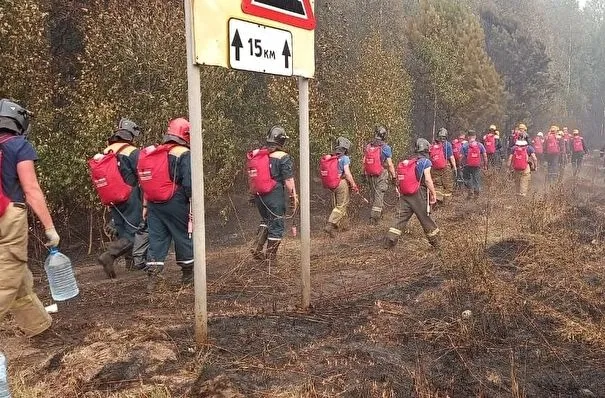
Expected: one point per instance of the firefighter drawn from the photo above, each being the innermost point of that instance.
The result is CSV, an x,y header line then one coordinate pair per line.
x,y
520,163
491,146
538,144
378,167
19,185
126,215
457,151
165,177
498,155
578,150
552,152
338,216
564,153
442,158
271,202
417,195
473,155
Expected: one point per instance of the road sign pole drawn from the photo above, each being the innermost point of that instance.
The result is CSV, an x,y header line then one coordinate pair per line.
x,y
305,192
197,182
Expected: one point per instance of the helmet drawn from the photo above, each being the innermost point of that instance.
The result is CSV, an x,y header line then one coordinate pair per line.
x,y
127,130
380,133
522,127
497,133
540,134
277,135
342,143
442,133
492,127
553,129
521,142
576,132
178,131
422,145
14,117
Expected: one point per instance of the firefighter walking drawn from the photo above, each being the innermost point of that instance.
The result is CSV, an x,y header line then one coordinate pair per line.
x,y
578,150
118,187
519,163
165,177
19,185
552,151
442,158
378,167
417,195
473,155
336,175
271,176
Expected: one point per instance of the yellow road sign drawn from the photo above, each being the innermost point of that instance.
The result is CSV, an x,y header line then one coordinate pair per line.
x,y
213,44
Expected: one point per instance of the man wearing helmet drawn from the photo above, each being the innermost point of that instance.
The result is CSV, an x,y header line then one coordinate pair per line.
x,y
442,158
19,185
491,144
272,205
473,155
519,161
127,215
416,200
165,176
538,144
342,197
377,155
578,150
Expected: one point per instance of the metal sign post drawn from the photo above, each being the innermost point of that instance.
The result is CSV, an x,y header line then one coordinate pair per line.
x,y
197,183
305,192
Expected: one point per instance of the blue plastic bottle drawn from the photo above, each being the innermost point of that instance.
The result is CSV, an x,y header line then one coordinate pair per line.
x,y
4,391
61,279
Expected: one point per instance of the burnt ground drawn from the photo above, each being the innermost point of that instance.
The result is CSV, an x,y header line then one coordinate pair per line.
x,y
382,324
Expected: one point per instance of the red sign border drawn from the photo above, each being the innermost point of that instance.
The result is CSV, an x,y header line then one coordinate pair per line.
x,y
308,23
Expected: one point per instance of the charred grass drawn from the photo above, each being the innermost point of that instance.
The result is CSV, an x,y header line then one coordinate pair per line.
x,y
512,306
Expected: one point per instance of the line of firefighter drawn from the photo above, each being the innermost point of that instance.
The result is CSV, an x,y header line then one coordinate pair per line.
x,y
428,176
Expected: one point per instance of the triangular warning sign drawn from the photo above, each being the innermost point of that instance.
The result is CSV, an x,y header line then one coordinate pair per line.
x,y
298,13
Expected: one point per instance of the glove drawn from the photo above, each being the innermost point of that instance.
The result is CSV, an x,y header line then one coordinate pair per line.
x,y
355,188
110,229
52,237
293,203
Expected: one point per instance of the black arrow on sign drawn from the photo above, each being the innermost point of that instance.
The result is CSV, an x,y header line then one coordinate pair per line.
x,y
287,54
237,43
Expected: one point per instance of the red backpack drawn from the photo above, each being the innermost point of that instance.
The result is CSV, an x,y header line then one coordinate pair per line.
x,y
107,179
473,155
538,145
437,156
408,181
457,149
328,169
259,172
372,160
578,144
552,146
154,173
490,144
520,158
4,200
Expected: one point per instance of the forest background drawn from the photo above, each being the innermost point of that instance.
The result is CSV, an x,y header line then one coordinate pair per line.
x,y
407,64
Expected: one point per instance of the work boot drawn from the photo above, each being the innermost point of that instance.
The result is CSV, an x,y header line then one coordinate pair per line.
x,y
259,243
187,275
106,260
129,263
435,240
330,229
154,276
272,246
389,243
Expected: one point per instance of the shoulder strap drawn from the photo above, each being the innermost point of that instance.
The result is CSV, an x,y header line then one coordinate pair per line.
x,y
120,149
6,137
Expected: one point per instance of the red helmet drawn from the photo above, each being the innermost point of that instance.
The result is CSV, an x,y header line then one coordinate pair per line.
x,y
179,128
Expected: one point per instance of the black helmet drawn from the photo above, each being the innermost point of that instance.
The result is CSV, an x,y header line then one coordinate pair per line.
x,y
277,135
442,134
422,145
127,130
343,144
14,117
380,133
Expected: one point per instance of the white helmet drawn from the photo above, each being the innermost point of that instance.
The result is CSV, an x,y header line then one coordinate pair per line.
x,y
540,134
521,143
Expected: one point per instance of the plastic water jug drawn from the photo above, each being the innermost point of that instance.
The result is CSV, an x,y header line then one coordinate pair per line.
x,y
4,391
61,279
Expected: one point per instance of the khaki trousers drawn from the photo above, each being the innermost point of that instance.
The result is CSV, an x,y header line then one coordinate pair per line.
x,y
16,281
342,198
522,179
444,183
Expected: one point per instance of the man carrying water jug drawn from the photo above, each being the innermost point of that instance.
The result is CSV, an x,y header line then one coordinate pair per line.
x,y
20,186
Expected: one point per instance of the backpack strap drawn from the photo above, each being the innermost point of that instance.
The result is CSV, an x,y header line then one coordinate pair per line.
x,y
6,137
